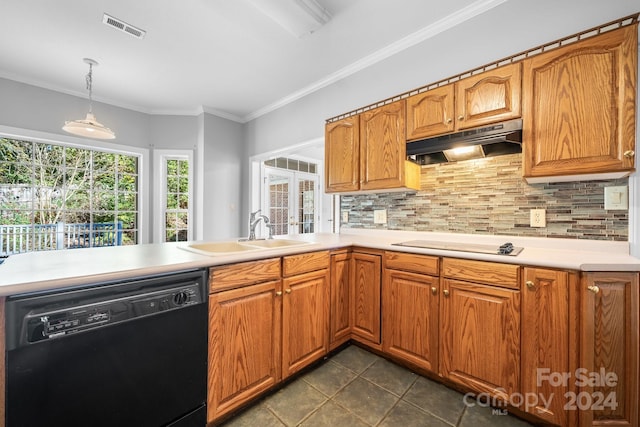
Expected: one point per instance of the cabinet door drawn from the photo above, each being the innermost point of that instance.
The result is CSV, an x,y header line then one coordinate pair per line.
x,y
410,318
365,297
383,147
579,106
609,349
430,113
342,155
549,340
489,97
244,345
480,337
305,320
340,316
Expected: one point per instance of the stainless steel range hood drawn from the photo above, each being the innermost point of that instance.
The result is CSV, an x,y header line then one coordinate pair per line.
x,y
492,140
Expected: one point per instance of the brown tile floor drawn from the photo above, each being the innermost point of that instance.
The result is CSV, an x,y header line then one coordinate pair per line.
x,y
356,388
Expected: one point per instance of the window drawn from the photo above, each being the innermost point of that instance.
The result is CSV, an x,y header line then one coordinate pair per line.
x,y
56,196
175,202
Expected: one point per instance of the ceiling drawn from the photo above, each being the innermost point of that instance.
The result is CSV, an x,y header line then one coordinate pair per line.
x,y
226,57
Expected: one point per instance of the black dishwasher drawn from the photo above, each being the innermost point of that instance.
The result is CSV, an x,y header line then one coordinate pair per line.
x,y
128,353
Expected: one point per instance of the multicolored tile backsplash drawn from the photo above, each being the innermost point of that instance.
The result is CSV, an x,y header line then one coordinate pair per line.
x,y
489,196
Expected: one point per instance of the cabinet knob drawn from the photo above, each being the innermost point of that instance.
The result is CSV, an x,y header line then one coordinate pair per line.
x,y
448,121
446,292
434,290
629,154
530,284
460,117
278,293
287,291
594,289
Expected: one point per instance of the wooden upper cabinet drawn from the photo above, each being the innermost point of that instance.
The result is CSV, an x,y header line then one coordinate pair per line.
x,y
383,149
485,98
342,155
609,349
489,97
579,107
430,113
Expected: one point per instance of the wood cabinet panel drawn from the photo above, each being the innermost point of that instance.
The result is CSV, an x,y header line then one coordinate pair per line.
x,y
410,318
365,296
480,337
305,323
383,147
340,312
609,343
490,273
549,333
579,106
342,155
412,262
303,263
244,345
489,97
243,273
430,113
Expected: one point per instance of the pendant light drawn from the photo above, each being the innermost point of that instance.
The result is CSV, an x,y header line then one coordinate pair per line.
x,y
89,126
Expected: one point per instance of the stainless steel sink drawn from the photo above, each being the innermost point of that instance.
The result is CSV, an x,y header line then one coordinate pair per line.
x,y
236,246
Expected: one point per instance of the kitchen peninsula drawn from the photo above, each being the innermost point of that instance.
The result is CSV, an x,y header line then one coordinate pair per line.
x,y
354,286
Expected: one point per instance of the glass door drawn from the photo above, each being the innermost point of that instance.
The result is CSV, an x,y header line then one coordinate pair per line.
x,y
290,201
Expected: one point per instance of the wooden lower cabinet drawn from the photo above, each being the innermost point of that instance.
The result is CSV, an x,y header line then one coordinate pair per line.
x,y
549,331
410,318
244,345
609,350
340,310
480,337
305,320
365,297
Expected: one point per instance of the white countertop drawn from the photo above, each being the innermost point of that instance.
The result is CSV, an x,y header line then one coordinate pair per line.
x,y
38,271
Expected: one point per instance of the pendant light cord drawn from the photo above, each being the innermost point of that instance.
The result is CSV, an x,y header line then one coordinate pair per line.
x,y
89,79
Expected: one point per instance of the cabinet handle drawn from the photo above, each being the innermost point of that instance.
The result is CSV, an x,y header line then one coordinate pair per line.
x,y
461,118
434,290
278,293
530,284
594,289
287,291
629,154
446,292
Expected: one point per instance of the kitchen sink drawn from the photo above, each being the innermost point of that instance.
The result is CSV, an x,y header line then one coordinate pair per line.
x,y
274,243
230,247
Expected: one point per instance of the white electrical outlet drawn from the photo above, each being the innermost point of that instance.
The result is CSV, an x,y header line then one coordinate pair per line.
x,y
345,216
380,216
538,217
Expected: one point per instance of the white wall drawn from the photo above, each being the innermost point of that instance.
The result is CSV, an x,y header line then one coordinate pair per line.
x,y
217,145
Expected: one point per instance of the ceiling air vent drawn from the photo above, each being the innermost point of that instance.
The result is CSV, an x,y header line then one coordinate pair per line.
x,y
120,25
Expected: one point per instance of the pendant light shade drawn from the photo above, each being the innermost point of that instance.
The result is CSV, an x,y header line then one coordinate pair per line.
x,y
89,127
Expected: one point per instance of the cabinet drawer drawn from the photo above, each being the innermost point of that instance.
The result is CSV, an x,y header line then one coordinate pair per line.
x,y
244,273
490,273
302,263
411,262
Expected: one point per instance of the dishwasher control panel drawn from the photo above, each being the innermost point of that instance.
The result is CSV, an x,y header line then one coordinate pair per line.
x,y
50,322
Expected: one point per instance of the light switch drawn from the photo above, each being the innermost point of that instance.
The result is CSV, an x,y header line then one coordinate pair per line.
x,y
616,198
345,216
380,216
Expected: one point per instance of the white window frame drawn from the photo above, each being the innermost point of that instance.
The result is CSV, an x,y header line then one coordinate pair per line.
x,y
160,177
91,144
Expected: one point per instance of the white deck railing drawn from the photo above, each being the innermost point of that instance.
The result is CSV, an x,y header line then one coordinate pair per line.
x,y
15,239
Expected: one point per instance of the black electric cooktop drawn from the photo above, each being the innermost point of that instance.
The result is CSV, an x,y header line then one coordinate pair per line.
x,y
505,249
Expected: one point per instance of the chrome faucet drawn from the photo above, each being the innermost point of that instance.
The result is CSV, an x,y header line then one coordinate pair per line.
x,y
254,219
